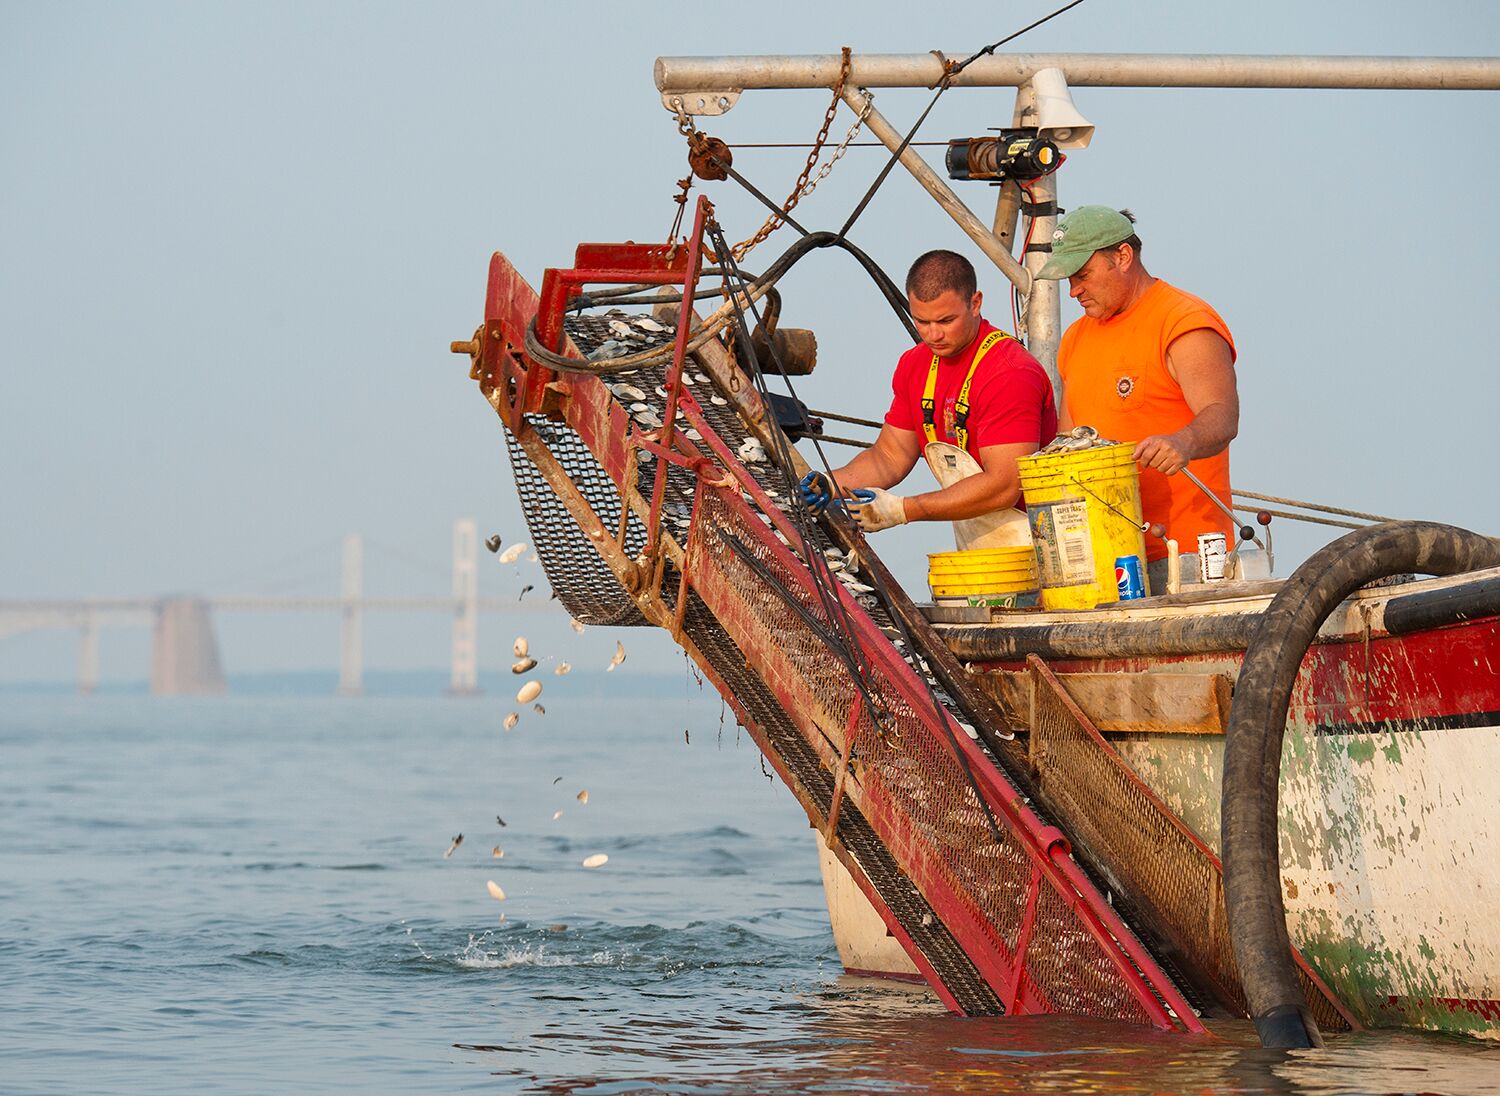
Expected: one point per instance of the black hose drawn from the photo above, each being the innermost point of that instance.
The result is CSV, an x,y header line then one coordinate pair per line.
x,y
894,296
1253,741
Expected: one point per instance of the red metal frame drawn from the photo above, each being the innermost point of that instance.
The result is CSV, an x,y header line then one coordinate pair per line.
x,y
517,385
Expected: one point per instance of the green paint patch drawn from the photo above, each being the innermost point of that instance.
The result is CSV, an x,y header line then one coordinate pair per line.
x,y
1426,949
1392,752
1361,752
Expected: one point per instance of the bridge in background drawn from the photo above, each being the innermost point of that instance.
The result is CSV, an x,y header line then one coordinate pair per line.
x,y
184,647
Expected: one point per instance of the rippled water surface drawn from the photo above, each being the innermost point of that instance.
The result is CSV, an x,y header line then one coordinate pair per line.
x,y
250,894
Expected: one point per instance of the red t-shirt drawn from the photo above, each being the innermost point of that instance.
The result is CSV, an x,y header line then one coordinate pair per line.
x,y
1010,400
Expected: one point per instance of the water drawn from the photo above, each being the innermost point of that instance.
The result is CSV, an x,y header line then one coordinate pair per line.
x,y
250,894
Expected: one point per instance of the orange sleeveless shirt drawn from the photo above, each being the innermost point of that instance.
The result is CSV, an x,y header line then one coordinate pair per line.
x,y
1115,379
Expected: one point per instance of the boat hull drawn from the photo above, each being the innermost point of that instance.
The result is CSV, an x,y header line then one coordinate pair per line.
x,y
1389,825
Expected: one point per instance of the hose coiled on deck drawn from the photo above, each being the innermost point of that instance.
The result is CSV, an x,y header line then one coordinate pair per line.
x,y
1253,740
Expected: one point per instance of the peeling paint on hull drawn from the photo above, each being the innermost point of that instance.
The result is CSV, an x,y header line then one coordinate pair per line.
x,y
1389,818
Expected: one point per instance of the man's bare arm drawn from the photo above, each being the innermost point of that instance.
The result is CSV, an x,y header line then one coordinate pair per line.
x,y
884,464
996,487
1200,361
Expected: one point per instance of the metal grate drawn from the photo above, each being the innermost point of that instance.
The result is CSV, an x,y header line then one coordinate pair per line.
x,y
581,580
770,723
1173,879
985,892
909,775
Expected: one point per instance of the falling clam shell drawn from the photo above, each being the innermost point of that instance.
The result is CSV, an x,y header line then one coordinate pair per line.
x,y
556,815
619,656
529,692
562,668
511,720
513,553
495,892
598,860
538,709
521,666
497,852
583,796
576,626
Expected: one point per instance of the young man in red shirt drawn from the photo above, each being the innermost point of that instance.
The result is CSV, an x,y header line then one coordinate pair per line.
x,y
966,384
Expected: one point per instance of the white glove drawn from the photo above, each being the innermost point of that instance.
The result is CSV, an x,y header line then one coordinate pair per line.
x,y
876,508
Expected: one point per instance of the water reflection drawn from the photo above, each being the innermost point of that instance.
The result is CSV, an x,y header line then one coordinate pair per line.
x,y
861,1036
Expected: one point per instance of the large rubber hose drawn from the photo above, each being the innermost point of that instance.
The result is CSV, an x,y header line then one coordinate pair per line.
x,y
1253,740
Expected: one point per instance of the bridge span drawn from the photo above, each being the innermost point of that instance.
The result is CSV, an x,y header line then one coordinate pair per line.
x,y
185,656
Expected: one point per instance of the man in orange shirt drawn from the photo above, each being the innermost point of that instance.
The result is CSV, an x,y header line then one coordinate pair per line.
x,y
1151,364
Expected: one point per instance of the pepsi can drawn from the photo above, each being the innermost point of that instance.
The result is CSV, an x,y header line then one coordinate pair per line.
x,y
1128,578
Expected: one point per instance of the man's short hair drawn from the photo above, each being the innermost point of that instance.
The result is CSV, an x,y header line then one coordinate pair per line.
x,y
1134,239
936,272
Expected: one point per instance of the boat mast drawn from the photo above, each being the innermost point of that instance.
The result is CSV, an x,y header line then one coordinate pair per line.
x,y
712,86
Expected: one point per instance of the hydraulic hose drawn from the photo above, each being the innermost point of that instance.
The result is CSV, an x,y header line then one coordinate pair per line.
x,y
1253,741
719,319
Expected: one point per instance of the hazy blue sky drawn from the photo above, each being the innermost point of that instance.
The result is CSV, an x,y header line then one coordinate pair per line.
x,y
237,239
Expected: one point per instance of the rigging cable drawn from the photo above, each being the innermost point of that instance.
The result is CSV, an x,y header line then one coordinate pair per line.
x,y
951,70
809,550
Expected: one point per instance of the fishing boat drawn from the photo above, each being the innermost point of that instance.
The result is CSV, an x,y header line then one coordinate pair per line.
x,y
1255,797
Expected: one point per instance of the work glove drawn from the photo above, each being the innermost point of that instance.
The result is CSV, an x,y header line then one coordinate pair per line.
x,y
875,509
815,491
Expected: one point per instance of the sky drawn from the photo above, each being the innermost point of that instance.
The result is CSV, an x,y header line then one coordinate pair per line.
x,y
236,239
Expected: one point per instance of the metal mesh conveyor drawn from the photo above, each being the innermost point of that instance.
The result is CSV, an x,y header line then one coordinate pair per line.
x,y
981,891
1172,878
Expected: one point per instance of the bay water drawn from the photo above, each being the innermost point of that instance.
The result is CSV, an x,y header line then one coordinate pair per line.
x,y
251,894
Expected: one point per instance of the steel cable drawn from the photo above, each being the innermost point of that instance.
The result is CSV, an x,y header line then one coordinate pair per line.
x,y
809,550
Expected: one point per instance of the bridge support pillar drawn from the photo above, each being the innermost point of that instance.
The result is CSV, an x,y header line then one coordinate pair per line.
x,y
88,655
465,678
184,651
351,649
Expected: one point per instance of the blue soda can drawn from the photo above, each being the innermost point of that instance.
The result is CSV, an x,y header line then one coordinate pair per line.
x,y
1128,578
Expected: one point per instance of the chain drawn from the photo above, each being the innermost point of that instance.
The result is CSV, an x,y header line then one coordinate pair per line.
x,y
838,153
801,188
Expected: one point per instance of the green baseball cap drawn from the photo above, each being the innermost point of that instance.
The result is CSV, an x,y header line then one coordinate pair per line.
x,y
1080,234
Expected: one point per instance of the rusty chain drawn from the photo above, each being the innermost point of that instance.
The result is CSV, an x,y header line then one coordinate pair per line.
x,y
700,146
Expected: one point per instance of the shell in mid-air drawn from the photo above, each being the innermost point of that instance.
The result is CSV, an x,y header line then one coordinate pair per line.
x,y
495,892
529,692
598,860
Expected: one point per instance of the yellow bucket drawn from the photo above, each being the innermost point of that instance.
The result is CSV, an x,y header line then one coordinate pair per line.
x,y
982,571
1085,510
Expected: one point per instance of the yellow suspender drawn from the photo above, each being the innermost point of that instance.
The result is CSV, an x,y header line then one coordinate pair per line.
x,y
961,405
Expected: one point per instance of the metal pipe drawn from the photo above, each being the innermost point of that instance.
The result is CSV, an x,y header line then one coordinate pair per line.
x,y
925,70
934,184
1043,303
1007,207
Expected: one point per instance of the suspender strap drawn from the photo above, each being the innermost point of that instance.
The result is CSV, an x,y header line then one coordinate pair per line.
x,y
961,405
